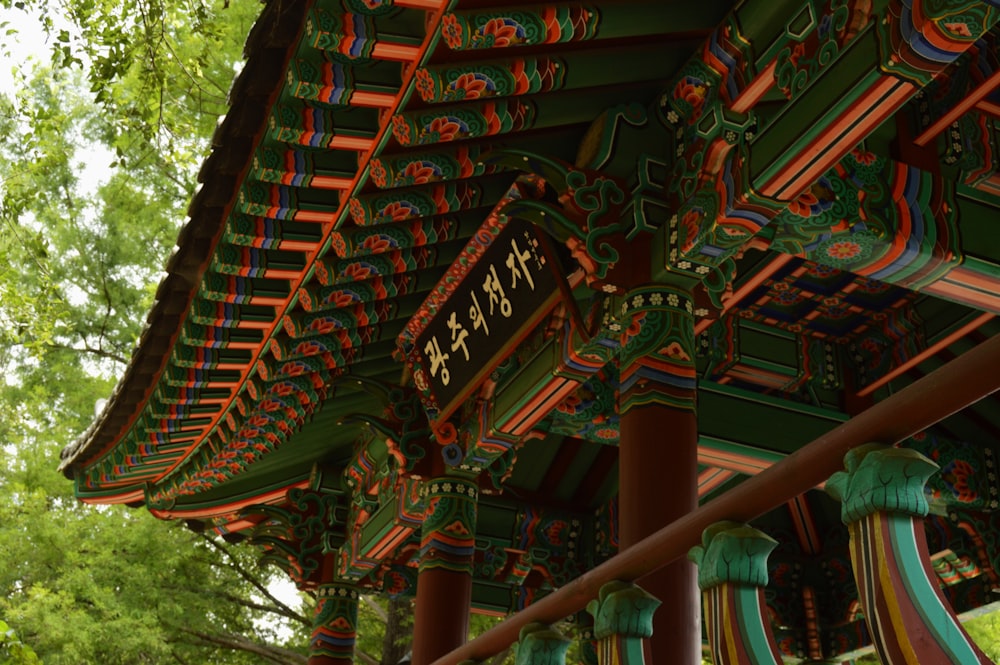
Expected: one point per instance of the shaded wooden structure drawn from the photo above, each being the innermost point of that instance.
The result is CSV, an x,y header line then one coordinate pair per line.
x,y
474,296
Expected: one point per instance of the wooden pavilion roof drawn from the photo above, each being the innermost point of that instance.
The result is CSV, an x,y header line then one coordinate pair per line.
x,y
354,168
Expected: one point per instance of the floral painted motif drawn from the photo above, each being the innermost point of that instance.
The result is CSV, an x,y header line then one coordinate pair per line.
x,y
451,30
788,297
812,202
689,229
691,93
378,173
417,173
498,32
426,85
634,327
396,211
400,129
864,157
956,476
441,129
376,244
470,85
569,405
357,271
357,210
375,4
843,250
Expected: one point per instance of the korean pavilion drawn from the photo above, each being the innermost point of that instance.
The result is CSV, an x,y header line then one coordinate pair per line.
x,y
676,319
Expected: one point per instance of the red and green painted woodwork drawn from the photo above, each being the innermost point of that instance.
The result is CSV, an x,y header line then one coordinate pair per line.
x,y
967,479
657,355
883,506
729,355
426,200
544,544
335,625
387,502
542,379
378,525
589,217
732,575
892,222
623,619
591,412
444,579
297,168
355,242
448,534
295,536
955,116
401,426
843,68
876,218
255,426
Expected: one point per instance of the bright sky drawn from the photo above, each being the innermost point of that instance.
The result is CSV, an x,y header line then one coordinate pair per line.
x,y
27,46
28,42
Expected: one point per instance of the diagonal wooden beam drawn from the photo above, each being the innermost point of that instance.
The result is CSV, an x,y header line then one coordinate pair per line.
x,y
953,114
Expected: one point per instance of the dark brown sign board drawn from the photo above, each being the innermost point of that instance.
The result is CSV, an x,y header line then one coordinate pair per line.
x,y
515,283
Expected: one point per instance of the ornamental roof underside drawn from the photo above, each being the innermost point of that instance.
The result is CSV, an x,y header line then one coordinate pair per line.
x,y
367,144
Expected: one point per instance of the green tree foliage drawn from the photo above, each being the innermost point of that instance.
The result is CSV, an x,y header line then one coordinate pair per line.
x,y
12,650
132,95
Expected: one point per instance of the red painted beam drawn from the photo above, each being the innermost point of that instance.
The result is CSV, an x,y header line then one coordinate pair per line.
x,y
950,388
971,100
932,350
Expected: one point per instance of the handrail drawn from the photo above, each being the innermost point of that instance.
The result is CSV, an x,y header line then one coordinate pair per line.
x,y
952,387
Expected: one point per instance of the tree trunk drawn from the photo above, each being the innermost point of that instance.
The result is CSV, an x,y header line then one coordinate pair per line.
x,y
398,630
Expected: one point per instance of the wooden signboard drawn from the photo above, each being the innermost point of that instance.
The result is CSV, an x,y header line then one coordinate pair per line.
x,y
515,283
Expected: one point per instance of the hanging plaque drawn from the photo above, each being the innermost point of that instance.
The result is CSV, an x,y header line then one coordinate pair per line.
x,y
515,283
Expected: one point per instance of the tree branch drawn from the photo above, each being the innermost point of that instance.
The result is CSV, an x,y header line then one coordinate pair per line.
x,y
365,658
273,654
100,353
376,608
244,602
245,574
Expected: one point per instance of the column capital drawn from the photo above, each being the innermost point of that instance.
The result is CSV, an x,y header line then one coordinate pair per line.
x,y
881,478
623,609
732,574
732,552
883,505
335,623
658,346
539,644
448,534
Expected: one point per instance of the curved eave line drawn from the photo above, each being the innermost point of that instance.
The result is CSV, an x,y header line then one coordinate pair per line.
x,y
382,137
274,496
98,498
185,268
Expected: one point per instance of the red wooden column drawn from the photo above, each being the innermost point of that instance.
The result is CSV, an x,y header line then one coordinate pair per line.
x,y
658,457
444,583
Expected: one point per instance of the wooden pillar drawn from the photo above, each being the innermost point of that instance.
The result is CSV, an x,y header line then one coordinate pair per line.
x,y
883,506
335,625
623,619
658,456
732,574
444,581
